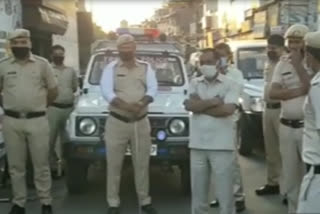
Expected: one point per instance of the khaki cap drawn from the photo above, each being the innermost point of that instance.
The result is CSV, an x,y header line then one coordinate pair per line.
x,y
125,38
312,39
19,33
297,31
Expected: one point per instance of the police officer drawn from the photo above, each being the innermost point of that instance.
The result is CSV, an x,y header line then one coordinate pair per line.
x,y
213,99
226,68
276,49
61,108
129,86
28,86
290,83
309,193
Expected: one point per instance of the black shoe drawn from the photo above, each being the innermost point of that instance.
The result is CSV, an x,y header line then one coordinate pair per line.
x,y
47,209
148,209
17,210
268,190
240,206
114,210
214,203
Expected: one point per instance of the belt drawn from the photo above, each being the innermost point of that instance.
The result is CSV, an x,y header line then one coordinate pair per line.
x,y
296,124
126,119
316,168
28,115
273,105
62,105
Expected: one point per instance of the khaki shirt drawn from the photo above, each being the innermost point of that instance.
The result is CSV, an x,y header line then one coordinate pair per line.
x,y
67,84
267,74
311,136
213,133
286,75
25,86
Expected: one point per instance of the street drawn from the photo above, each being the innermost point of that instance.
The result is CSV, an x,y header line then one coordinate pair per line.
x,y
165,190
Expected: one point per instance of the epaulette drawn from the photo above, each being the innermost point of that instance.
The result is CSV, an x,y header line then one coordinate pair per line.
x,y
40,58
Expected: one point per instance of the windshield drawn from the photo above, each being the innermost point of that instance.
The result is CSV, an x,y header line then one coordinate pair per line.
x,y
251,61
168,68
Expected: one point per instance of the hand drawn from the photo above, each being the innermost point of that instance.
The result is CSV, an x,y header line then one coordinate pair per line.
x,y
193,106
296,59
217,101
135,107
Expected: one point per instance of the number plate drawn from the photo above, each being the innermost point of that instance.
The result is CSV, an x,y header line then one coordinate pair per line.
x,y
153,150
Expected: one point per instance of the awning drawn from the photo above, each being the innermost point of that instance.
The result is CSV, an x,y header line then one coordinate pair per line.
x,y
43,18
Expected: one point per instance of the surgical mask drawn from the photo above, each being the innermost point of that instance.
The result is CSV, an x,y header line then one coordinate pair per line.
x,y
273,56
58,60
20,52
209,71
224,61
126,56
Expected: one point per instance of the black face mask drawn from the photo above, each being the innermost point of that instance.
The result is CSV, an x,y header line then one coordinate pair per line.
x,y
20,52
273,56
126,56
58,60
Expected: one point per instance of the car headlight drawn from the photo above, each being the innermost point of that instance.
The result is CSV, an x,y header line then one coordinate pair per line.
x,y
87,126
256,104
177,126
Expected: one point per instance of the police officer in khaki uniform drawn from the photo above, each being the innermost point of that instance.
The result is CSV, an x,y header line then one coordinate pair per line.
x,y
271,120
28,86
129,86
309,199
61,108
290,84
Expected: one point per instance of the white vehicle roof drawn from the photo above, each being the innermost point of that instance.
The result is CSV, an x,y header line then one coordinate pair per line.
x,y
105,45
246,43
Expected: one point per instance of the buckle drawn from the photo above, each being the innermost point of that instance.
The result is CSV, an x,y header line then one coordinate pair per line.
x,y
23,115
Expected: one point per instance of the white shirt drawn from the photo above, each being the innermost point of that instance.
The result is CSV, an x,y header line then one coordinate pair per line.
x,y
311,136
213,133
107,81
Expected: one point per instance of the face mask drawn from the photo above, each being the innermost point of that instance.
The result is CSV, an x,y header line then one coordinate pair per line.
x,y
126,56
20,52
224,61
209,71
273,56
58,60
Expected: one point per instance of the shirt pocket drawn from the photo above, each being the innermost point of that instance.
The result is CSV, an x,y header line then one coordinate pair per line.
x,y
121,81
289,79
11,80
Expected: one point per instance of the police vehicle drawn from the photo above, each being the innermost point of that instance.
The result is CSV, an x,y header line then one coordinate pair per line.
x,y
168,118
250,57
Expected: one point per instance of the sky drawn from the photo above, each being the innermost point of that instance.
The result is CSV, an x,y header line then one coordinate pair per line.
x,y
109,13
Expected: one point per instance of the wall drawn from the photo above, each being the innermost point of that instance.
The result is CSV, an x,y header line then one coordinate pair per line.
x,y
70,39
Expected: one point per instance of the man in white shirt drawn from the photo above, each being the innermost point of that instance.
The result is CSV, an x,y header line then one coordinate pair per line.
x,y
213,101
309,199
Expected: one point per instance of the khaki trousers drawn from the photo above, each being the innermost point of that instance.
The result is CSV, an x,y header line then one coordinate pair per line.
x,y
57,122
221,164
19,134
271,141
309,199
118,135
293,167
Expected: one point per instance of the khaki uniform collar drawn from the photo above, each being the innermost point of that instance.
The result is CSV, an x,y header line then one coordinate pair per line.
x,y
31,58
121,63
62,67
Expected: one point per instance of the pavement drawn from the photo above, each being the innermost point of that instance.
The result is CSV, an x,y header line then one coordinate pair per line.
x,y
165,190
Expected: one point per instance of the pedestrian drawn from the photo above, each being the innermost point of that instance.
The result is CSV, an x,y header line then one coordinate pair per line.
x,y
213,100
60,109
226,68
28,86
290,84
309,193
270,120
129,85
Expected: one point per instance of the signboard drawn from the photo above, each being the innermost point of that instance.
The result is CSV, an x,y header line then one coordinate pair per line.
x,y
246,26
260,17
10,15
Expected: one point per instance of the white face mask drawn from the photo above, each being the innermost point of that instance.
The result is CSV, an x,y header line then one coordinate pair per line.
x,y
208,71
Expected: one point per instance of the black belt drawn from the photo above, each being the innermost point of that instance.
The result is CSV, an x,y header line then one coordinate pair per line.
x,y
296,124
273,105
62,105
28,115
126,119
316,168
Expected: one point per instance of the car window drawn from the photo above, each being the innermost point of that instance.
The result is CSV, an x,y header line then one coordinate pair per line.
x,y
168,68
251,61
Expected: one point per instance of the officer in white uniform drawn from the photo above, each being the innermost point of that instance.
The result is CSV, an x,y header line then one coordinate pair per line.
x,y
213,100
290,84
309,199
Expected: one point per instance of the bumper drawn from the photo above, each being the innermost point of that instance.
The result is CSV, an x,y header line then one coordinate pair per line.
x,y
253,122
95,151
